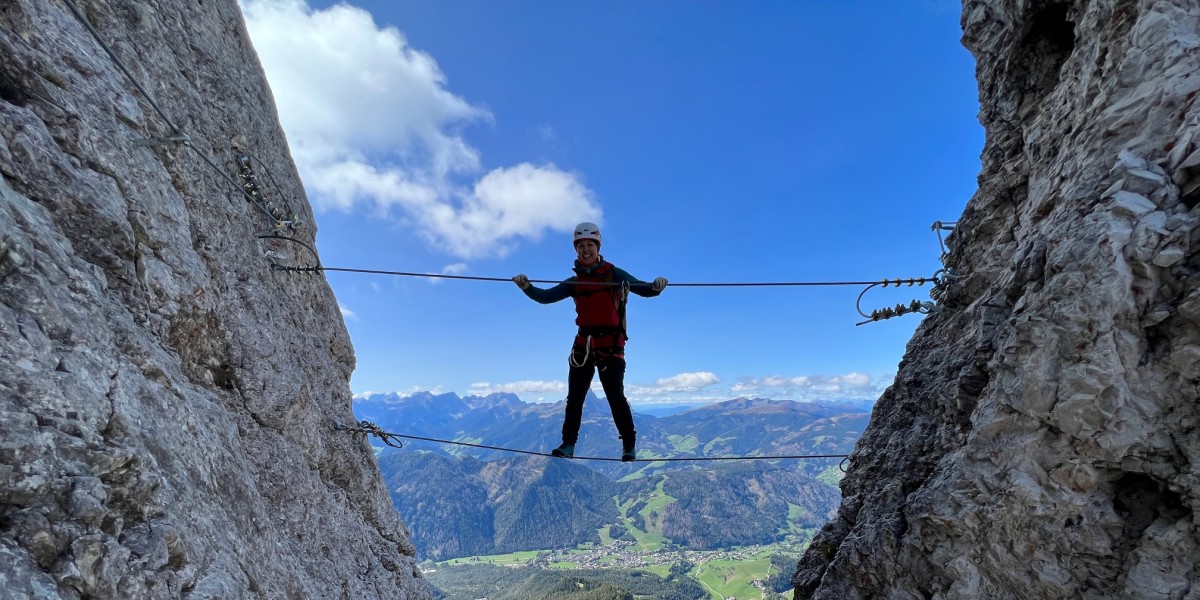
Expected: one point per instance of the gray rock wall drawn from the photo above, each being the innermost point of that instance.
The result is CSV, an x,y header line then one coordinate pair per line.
x,y
1040,438
165,397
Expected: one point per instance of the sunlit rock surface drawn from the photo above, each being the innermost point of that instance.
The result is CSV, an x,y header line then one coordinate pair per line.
x,y
1040,439
165,397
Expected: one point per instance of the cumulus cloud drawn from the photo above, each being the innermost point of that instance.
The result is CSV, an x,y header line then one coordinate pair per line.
x,y
372,126
850,386
347,314
519,387
683,382
512,203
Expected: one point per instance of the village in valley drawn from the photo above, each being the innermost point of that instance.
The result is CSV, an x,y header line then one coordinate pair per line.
x,y
744,568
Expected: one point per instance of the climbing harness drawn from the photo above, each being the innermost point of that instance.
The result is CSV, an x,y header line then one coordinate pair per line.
x,y
369,428
599,318
584,347
624,325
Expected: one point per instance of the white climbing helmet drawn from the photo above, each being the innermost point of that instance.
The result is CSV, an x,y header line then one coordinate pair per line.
x,y
586,231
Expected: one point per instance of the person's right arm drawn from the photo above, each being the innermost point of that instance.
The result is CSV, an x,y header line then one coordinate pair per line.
x,y
561,291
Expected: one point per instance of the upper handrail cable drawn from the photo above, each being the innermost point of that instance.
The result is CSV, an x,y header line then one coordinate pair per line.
x,y
179,136
884,282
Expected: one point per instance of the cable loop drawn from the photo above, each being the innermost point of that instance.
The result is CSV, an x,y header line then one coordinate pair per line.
x,y
366,428
277,266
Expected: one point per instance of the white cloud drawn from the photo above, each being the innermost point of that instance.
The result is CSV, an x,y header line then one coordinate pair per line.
x,y
683,382
371,125
513,203
347,314
519,387
454,269
698,400
770,381
850,386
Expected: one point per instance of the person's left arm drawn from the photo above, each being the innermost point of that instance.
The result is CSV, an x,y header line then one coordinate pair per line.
x,y
645,289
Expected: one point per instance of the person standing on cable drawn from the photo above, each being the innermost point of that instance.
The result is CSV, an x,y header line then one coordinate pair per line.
x,y
600,291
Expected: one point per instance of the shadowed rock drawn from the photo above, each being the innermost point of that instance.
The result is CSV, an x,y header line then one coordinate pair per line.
x,y
165,397
1040,438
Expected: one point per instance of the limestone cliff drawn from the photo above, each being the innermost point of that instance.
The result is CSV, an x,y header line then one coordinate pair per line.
x,y
1040,438
165,397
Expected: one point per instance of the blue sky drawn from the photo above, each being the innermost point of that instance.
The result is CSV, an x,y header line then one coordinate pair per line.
x,y
713,141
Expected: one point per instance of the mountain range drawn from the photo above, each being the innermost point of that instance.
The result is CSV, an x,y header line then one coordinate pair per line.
x,y
465,501
739,427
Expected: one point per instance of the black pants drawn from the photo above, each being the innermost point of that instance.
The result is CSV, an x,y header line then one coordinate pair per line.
x,y
612,378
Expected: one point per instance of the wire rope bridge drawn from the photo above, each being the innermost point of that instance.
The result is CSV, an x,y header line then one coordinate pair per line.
x,y
367,428
284,228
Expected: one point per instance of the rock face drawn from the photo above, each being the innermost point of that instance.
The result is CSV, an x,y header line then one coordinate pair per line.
x,y
1040,439
165,396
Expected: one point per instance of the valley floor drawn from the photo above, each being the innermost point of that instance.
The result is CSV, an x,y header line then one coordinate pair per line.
x,y
740,573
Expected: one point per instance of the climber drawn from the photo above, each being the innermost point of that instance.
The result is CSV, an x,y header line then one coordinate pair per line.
x,y
600,343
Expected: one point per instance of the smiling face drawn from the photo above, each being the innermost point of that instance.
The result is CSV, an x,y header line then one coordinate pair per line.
x,y
588,252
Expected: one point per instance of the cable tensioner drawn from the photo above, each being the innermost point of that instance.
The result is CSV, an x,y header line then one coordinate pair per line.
x,y
940,279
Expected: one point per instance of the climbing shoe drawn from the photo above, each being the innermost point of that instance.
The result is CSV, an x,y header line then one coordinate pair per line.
x,y
629,455
564,451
